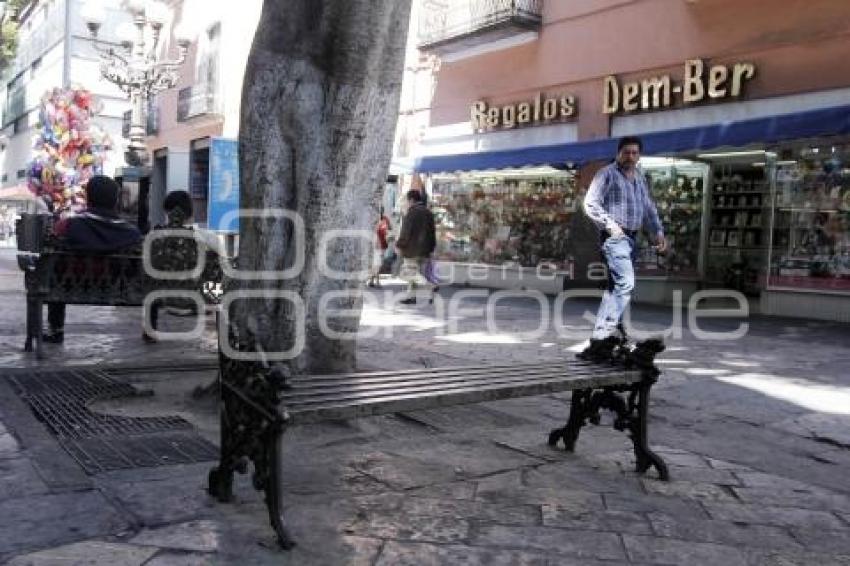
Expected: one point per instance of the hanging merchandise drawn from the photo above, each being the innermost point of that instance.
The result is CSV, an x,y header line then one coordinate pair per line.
x,y
69,149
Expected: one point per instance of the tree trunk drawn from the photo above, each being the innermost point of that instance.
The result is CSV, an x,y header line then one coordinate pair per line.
x,y
319,108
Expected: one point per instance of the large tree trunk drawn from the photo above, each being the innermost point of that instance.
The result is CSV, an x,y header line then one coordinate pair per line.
x,y
319,107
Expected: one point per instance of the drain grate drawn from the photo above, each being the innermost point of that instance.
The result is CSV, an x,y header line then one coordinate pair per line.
x,y
100,442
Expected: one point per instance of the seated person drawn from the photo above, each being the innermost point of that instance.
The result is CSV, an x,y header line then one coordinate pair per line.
x,y
176,252
97,229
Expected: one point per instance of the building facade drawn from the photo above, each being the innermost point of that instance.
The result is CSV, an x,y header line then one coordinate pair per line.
x,y
55,50
744,108
206,102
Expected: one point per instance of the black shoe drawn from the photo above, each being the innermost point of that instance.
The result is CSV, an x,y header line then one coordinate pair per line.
x,y
148,339
600,350
624,338
53,336
410,301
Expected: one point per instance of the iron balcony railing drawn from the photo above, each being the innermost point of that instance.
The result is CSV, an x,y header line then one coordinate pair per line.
x,y
444,21
197,100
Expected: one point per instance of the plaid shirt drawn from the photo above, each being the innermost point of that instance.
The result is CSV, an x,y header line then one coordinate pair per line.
x,y
614,199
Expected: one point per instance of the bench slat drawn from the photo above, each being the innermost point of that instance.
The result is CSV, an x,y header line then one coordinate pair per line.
x,y
565,363
354,388
355,408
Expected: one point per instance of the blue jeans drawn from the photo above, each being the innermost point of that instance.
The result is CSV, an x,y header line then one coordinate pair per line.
x,y
619,256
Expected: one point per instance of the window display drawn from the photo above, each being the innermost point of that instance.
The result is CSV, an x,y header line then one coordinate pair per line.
x,y
811,226
677,188
512,217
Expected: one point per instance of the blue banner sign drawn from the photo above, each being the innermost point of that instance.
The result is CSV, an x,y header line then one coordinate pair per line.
x,y
222,214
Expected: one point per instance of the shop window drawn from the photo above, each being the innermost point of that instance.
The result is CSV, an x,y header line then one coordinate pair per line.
x,y
677,187
811,227
738,236
513,218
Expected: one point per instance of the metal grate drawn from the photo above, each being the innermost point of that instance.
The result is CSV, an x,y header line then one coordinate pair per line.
x,y
100,442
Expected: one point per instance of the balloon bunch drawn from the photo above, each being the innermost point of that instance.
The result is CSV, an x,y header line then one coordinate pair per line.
x,y
69,149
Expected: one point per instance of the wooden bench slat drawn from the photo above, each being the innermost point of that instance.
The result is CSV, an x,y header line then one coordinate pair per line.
x,y
345,379
509,382
565,363
355,408
352,388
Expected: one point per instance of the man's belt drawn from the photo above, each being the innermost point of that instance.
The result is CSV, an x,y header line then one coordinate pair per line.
x,y
630,233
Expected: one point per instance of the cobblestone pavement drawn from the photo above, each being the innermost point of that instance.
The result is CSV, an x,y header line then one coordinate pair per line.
x,y
755,431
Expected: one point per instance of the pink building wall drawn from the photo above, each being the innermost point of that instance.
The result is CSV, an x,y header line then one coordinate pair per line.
x,y
797,46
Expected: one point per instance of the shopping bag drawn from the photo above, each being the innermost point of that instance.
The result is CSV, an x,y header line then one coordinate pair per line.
x,y
429,271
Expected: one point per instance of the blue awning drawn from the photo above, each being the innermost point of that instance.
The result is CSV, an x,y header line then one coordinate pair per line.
x,y
771,129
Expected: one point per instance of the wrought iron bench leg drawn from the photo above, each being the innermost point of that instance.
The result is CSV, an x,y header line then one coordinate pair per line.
x,y
220,479
632,412
569,433
272,487
644,455
250,430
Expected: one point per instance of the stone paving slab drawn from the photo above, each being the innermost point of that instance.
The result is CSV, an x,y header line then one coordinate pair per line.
x,y
804,498
404,504
611,521
578,544
649,503
659,550
202,536
18,478
173,558
724,532
784,558
89,553
416,554
43,521
779,516
821,540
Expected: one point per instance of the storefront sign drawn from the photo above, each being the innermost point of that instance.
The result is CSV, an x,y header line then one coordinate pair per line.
x,y
541,110
658,92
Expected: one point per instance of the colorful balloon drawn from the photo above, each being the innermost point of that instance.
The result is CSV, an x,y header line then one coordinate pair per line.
x,y
68,150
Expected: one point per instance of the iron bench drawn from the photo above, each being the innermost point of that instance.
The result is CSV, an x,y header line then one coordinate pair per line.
x,y
259,402
54,275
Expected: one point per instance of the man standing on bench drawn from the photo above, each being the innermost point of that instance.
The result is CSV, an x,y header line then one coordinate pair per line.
x,y
97,229
619,203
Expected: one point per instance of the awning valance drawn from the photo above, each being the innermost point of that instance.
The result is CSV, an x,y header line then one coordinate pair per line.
x,y
767,130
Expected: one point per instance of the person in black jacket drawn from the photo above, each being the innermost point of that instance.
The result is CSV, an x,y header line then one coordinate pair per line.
x,y
97,229
416,243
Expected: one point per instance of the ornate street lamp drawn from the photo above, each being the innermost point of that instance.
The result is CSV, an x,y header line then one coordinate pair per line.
x,y
135,67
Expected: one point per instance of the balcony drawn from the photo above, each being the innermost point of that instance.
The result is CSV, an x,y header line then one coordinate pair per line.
x,y
197,100
455,29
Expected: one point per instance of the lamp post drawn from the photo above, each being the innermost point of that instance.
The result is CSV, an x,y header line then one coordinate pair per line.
x,y
135,67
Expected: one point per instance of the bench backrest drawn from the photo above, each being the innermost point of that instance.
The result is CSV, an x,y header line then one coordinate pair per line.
x,y
76,278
